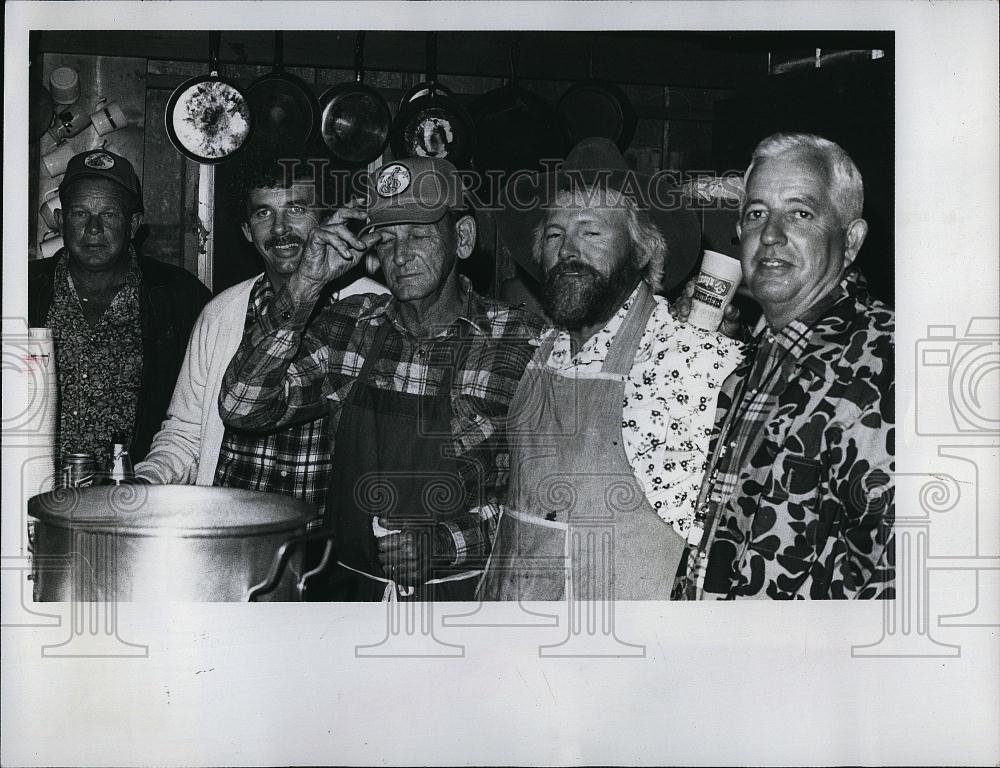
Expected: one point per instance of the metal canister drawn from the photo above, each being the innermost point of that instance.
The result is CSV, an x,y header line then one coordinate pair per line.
x,y
79,470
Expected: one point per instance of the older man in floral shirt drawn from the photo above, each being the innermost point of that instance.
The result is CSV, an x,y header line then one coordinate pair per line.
x,y
797,501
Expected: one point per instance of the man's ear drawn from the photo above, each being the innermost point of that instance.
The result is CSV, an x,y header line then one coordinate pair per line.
x,y
466,230
136,223
245,229
59,221
857,230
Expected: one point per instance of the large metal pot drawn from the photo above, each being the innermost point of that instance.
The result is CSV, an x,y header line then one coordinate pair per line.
x,y
168,542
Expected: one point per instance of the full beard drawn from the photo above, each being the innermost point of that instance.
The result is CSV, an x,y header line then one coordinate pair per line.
x,y
587,298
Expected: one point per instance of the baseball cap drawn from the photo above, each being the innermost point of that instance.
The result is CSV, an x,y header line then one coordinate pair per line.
x,y
102,164
414,190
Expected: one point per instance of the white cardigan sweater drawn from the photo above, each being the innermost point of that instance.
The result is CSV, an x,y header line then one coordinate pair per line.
x,y
186,449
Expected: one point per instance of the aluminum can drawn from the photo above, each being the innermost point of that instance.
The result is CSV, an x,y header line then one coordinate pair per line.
x,y
79,470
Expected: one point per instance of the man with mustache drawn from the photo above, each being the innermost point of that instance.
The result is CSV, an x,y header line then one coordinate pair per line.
x,y
284,215
610,425
417,385
119,321
798,501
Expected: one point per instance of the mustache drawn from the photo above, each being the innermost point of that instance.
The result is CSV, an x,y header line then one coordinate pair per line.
x,y
277,242
572,265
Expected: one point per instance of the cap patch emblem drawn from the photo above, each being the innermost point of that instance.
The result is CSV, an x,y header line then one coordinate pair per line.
x,y
100,161
392,180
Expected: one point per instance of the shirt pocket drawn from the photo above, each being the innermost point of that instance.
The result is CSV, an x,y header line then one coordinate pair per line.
x,y
787,517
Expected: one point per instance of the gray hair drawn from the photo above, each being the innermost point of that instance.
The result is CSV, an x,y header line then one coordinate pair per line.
x,y
648,246
847,190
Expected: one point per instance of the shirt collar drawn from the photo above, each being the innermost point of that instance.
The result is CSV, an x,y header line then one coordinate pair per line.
x,y
794,334
473,312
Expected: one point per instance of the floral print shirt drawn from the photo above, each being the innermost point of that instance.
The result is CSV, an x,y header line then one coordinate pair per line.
x,y
668,408
99,368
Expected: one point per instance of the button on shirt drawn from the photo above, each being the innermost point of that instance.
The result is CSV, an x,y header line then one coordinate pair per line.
x,y
99,368
668,408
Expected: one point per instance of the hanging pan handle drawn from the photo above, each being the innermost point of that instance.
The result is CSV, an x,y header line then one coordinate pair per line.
x,y
359,57
432,57
281,558
515,56
279,51
214,43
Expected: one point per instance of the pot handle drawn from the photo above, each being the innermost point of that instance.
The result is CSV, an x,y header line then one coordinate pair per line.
x,y
281,559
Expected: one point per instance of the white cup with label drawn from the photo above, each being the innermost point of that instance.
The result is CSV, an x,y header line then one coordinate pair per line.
x,y
50,204
714,289
108,117
57,159
50,244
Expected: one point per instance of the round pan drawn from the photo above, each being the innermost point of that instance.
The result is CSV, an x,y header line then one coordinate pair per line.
x,y
284,107
208,118
355,121
596,108
431,122
515,128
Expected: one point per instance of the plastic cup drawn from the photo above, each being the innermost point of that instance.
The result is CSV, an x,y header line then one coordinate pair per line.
x,y
716,285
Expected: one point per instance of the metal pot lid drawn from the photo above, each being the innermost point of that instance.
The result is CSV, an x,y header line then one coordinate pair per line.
x,y
210,119
170,510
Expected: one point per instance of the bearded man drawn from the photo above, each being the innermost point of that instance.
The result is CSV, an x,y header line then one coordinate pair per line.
x,y
610,425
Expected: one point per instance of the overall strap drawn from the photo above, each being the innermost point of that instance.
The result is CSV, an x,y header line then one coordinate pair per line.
x,y
371,357
622,353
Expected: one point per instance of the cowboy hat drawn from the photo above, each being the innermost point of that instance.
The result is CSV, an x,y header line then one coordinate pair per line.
x,y
594,164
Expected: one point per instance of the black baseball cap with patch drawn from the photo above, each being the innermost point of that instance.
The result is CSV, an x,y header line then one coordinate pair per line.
x,y
102,164
414,190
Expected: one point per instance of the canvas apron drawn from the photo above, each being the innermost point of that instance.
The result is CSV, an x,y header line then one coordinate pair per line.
x,y
393,455
578,521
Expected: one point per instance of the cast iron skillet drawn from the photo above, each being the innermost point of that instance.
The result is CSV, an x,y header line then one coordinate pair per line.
x,y
356,119
596,108
431,122
515,128
284,107
208,118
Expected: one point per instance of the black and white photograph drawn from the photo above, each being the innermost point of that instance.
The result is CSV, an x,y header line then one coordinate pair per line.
x,y
454,383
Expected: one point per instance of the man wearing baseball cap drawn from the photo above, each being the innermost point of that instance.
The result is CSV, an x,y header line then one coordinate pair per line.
x,y
120,322
417,384
609,429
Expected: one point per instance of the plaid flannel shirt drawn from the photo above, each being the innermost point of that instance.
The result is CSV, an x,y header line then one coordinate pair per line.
x,y
294,460
798,500
294,365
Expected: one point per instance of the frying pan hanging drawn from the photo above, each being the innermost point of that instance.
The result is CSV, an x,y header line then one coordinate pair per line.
x,y
355,121
284,107
431,122
208,118
515,128
596,108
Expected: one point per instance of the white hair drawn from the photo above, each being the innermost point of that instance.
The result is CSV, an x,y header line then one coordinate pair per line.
x,y
649,247
847,192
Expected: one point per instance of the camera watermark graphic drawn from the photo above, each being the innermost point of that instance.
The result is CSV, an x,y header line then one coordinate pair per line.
x,y
957,379
957,392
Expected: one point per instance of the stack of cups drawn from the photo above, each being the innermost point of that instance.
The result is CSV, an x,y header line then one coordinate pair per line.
x,y
714,290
